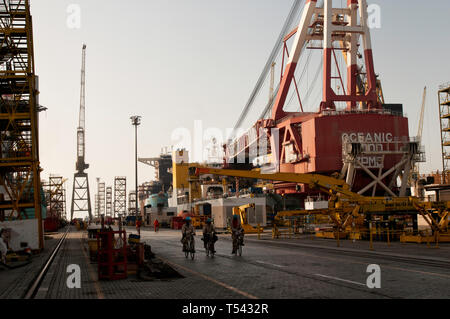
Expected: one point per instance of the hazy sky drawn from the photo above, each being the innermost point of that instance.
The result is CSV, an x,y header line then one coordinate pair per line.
x,y
177,61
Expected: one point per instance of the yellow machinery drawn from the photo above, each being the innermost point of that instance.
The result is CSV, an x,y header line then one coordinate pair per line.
x,y
198,221
242,212
345,208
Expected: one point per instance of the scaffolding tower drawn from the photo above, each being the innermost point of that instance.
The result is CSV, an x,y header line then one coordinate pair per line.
x,y
109,201
101,199
96,209
55,196
444,118
132,203
64,202
19,106
120,196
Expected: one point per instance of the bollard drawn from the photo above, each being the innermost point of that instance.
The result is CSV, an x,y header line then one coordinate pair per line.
x,y
371,239
275,233
353,232
388,239
290,229
259,231
437,239
338,236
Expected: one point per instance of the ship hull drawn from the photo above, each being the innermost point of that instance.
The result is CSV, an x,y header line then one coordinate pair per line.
x,y
318,147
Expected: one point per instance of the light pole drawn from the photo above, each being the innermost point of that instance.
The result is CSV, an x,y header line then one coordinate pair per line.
x,y
136,121
97,203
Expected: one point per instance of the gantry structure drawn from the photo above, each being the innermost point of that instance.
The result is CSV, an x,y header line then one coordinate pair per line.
x,y
96,207
120,196
132,203
444,119
20,182
101,199
108,210
55,196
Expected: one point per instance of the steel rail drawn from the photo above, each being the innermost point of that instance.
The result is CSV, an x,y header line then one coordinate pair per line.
x,y
34,287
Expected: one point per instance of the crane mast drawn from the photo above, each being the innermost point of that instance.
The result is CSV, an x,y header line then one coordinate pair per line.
x,y
414,179
81,199
81,165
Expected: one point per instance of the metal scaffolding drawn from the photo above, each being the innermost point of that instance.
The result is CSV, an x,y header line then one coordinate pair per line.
x,y
109,201
64,201
444,119
19,107
132,203
101,199
96,209
120,196
55,196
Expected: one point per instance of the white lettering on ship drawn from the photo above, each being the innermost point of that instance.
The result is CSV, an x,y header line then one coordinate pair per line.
x,y
370,142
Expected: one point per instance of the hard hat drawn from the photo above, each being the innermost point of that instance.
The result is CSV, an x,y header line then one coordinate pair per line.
x,y
235,216
208,220
188,218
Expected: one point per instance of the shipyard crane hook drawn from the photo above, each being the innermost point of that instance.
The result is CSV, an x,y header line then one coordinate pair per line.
x,y
81,200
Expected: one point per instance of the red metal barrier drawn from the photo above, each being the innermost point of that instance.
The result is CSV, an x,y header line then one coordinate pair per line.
x,y
112,255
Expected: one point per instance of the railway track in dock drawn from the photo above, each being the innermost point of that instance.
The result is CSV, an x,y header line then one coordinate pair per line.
x,y
36,283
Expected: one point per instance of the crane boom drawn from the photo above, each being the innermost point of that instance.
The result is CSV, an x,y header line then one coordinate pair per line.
x,y
325,183
81,165
82,91
422,113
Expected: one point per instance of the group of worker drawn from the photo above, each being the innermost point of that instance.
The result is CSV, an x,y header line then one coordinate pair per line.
x,y
209,233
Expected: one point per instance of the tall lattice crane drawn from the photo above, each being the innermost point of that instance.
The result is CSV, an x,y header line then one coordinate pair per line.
x,y
81,199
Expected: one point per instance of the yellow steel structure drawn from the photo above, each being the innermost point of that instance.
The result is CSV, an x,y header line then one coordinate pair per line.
x,y
55,195
327,184
345,208
198,221
19,157
436,214
241,211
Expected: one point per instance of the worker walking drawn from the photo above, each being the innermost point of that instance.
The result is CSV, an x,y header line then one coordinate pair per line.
x,y
156,224
237,233
188,233
138,225
209,234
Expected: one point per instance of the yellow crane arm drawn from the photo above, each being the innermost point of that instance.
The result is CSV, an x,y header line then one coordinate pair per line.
x,y
325,183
